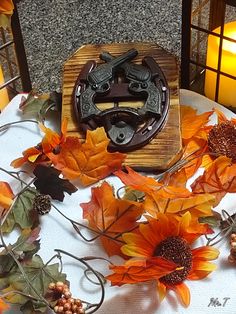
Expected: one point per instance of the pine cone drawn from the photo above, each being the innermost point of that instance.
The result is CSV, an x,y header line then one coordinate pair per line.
x,y
42,204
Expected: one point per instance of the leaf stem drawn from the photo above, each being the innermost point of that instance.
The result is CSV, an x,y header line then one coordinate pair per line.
x,y
96,274
75,224
6,126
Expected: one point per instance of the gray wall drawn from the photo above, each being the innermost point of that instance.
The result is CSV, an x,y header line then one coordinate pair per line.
x,y
54,29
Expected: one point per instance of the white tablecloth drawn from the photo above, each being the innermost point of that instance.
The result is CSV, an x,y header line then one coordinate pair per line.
x,y
58,233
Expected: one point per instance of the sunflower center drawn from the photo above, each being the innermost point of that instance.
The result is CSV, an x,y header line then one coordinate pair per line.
x,y
177,250
222,139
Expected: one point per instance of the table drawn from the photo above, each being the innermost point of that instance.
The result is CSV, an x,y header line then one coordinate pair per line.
x,y
57,233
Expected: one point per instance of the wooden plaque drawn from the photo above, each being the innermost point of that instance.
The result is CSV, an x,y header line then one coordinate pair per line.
x,y
165,149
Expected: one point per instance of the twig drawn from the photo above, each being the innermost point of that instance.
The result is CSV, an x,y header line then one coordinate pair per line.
x,y
8,125
96,274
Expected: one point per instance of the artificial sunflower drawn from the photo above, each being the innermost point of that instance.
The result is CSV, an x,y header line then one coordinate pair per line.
x,y
207,142
212,147
159,241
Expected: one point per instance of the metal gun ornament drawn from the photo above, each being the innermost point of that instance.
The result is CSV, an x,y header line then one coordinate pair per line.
x,y
118,79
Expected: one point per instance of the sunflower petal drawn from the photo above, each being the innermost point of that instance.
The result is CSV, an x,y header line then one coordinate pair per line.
x,y
198,274
135,250
202,265
161,288
136,245
221,117
205,253
183,293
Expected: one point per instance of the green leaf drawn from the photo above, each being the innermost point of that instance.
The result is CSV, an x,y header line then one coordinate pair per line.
x,y
3,283
27,243
31,307
37,105
33,103
39,276
212,221
134,195
22,214
23,249
6,264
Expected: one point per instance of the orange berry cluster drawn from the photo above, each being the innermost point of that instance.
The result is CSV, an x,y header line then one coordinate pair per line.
x,y
66,304
232,256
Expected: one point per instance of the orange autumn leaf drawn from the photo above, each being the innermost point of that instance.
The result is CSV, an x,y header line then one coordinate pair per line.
x,y
31,154
38,154
134,271
90,161
218,179
150,185
6,195
111,217
6,11
3,306
191,122
6,7
52,140
197,205
190,162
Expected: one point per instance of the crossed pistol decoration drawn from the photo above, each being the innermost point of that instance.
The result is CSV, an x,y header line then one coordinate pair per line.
x,y
128,127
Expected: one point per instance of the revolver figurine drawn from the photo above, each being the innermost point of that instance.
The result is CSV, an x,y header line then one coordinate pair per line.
x,y
140,78
99,81
127,127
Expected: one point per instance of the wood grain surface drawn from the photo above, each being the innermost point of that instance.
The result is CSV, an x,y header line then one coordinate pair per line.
x,y
165,149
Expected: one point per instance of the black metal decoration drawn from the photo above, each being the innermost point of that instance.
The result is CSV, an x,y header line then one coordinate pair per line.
x,y
208,57
13,60
127,127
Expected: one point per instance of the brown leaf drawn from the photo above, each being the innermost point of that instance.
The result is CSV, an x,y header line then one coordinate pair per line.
x,y
111,217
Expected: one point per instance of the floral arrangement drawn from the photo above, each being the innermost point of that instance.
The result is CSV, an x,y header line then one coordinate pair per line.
x,y
152,223
6,11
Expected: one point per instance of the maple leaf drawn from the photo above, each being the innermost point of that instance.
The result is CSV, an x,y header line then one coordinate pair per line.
x,y
6,195
50,143
39,275
6,11
39,104
134,271
191,122
49,183
150,185
89,162
197,205
218,179
111,217
24,249
22,215
3,306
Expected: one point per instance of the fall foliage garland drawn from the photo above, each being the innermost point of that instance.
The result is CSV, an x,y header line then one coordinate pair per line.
x,y
164,204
